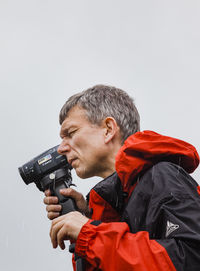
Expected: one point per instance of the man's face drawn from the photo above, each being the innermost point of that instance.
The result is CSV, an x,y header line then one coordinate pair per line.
x,y
83,144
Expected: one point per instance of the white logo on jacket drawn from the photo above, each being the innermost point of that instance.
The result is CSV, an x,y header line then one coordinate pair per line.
x,y
170,228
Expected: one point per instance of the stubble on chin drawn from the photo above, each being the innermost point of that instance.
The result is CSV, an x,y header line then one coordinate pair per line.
x,y
81,172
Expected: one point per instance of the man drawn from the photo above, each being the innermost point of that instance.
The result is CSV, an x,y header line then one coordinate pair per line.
x,y
144,214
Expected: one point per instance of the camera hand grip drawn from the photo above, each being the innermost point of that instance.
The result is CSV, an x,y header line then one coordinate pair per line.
x,y
68,204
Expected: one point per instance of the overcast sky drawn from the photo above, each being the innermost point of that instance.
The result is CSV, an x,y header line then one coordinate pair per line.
x,y
50,50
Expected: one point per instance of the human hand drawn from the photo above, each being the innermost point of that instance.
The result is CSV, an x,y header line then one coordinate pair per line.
x,y
53,208
66,227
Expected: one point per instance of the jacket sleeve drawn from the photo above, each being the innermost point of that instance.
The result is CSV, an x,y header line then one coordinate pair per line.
x,y
165,237
111,246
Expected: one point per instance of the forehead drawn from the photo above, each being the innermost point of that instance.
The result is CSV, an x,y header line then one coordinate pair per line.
x,y
76,116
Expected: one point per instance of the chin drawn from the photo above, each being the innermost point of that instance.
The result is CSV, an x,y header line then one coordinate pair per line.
x,y
83,174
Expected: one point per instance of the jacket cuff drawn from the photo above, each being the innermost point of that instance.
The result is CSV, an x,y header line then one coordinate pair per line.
x,y
87,233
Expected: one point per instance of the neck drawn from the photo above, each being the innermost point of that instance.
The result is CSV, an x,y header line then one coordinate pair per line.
x,y
109,165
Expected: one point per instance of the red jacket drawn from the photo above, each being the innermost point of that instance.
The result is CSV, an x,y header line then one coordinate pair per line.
x,y
146,216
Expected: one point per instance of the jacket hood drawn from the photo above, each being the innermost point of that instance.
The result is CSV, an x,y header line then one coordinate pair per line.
x,y
144,149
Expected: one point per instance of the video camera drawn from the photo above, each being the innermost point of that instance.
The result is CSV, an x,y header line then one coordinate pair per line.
x,y
50,170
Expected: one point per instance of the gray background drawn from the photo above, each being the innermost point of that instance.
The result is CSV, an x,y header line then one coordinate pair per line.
x,y
52,49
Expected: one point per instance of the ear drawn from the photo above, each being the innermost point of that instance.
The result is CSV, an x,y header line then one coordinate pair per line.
x,y
111,129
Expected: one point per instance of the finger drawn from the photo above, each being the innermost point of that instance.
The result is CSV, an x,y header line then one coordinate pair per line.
x,y
53,232
50,200
52,215
59,219
61,236
53,208
69,192
56,221
47,193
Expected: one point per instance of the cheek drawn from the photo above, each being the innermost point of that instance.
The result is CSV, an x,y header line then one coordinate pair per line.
x,y
88,144
80,146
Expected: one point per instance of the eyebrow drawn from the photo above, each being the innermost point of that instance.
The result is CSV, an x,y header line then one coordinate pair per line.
x,y
65,130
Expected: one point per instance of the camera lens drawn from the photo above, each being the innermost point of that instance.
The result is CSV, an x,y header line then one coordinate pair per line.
x,y
25,174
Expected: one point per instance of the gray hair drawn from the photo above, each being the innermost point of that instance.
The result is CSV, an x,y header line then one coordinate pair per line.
x,y
103,101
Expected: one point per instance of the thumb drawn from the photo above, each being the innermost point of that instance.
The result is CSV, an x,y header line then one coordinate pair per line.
x,y
69,192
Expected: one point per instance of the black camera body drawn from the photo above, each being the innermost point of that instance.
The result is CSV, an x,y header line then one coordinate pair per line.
x,y
50,170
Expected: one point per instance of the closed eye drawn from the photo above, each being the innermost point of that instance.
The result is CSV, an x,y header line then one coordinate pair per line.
x,y
70,134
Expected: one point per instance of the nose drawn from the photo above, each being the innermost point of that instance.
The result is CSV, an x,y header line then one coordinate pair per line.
x,y
63,148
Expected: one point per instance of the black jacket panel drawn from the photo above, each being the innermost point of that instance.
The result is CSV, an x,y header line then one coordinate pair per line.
x,y
165,203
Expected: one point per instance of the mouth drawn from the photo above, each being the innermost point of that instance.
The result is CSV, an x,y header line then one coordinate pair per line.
x,y
71,161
